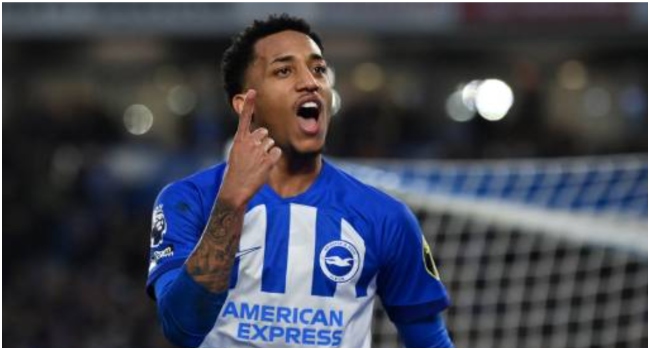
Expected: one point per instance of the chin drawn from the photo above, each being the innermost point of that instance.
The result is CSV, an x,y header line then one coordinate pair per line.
x,y
307,151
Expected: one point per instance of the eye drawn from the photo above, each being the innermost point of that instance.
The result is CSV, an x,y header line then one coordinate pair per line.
x,y
282,72
321,70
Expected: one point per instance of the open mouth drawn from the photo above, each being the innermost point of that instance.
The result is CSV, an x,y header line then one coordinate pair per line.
x,y
308,113
309,110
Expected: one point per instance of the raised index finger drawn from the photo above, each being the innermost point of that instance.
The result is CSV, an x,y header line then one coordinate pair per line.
x,y
246,113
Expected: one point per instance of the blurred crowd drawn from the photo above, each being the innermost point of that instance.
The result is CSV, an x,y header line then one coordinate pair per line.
x,y
74,242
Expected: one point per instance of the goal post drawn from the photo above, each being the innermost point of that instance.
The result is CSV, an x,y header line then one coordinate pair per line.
x,y
534,253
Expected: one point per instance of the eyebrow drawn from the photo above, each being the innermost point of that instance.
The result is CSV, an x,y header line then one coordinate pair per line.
x,y
289,58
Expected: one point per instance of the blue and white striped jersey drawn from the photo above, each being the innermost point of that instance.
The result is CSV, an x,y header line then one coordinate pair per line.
x,y
308,267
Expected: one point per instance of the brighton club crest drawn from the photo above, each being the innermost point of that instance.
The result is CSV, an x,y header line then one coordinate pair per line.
x,y
339,261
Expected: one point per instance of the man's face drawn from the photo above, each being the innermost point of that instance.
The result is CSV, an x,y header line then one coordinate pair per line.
x,y
294,95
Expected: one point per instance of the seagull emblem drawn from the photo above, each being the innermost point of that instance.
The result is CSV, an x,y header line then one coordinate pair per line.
x,y
338,261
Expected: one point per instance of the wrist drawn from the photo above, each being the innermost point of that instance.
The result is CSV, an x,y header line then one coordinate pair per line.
x,y
232,199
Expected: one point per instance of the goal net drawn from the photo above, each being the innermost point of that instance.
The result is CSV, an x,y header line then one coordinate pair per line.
x,y
534,253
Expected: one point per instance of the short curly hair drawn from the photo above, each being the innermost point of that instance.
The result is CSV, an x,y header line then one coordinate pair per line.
x,y
240,54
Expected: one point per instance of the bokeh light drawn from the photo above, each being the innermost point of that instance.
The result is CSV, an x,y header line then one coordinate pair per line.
x,y
456,109
138,119
493,99
181,100
336,102
469,94
572,75
633,102
368,77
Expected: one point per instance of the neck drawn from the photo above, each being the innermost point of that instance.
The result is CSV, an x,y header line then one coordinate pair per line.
x,y
293,174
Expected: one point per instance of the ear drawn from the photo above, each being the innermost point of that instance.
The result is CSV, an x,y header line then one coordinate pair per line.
x,y
238,102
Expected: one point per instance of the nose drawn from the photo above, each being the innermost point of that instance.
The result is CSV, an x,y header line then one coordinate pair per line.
x,y
307,81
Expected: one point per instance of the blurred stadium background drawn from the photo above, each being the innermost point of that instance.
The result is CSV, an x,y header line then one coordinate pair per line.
x,y
517,133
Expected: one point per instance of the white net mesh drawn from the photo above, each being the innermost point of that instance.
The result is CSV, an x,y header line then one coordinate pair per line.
x,y
545,253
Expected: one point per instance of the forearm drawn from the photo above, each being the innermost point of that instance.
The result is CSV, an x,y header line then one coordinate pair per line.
x,y
190,299
425,334
211,262
187,311
251,159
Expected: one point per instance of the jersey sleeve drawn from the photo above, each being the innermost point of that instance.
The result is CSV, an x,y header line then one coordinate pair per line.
x,y
176,227
408,281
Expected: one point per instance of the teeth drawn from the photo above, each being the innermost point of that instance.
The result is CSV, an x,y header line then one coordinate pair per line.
x,y
309,105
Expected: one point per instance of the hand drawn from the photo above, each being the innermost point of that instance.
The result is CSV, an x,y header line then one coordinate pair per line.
x,y
251,158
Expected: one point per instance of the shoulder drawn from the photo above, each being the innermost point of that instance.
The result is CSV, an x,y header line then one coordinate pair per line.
x,y
199,185
208,177
376,202
392,227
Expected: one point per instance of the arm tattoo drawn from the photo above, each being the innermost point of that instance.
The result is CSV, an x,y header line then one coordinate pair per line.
x,y
211,261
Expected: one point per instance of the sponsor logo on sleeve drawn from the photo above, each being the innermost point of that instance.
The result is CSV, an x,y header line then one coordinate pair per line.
x,y
160,254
